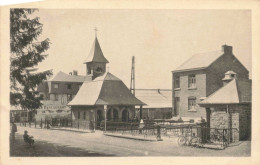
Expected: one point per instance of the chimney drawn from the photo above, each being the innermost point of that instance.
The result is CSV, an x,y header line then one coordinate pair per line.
x,y
229,76
227,49
75,72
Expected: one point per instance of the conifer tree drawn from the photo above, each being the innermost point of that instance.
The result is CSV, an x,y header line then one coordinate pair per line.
x,y
26,52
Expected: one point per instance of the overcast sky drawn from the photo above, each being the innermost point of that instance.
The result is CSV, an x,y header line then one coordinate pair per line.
x,y
160,40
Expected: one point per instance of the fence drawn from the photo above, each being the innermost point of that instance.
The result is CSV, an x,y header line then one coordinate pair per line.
x,y
146,132
49,122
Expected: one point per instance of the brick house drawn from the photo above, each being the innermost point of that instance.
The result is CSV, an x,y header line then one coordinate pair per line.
x,y
230,107
199,77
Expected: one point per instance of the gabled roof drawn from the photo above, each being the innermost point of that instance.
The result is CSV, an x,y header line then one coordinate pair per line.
x,y
235,92
105,90
63,77
199,61
155,98
96,54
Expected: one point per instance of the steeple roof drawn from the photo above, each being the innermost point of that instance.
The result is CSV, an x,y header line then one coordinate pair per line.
x,y
105,90
96,54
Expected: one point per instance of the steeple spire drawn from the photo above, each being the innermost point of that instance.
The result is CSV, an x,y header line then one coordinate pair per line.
x,y
96,31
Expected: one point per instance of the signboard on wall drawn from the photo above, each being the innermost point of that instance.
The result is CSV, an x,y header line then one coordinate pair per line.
x,y
54,107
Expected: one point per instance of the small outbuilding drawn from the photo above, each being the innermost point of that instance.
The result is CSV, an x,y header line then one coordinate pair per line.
x,y
104,98
230,107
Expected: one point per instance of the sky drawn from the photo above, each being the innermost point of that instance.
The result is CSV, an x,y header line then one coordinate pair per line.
x,y
160,40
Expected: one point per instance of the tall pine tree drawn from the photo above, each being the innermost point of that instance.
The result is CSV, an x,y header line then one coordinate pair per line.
x,y
26,52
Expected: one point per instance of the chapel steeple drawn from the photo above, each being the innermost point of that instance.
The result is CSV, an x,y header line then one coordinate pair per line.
x,y
95,62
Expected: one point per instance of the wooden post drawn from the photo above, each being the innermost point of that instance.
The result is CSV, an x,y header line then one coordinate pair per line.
x,y
141,112
105,109
41,122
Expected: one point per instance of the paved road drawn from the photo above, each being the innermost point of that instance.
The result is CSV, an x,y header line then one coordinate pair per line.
x,y
99,143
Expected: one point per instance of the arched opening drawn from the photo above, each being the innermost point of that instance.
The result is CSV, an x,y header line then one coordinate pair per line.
x,y
125,115
109,111
99,117
115,115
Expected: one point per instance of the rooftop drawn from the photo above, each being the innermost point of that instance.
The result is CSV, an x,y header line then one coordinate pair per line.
x,y
105,90
96,54
199,61
235,92
63,77
155,98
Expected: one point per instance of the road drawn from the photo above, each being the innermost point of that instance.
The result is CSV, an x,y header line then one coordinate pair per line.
x,y
106,145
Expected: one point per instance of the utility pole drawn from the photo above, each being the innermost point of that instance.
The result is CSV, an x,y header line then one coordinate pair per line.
x,y
132,84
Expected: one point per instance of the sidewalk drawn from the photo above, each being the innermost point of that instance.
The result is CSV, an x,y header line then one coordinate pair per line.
x,y
135,137
107,145
42,148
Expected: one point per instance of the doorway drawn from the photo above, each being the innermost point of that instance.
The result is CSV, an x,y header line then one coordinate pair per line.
x,y
125,115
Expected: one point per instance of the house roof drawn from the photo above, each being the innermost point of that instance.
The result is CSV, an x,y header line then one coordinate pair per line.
x,y
155,98
235,92
63,77
199,61
96,54
105,90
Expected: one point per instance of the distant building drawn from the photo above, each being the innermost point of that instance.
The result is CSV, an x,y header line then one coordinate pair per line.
x,y
102,95
57,92
230,107
159,103
199,77
17,114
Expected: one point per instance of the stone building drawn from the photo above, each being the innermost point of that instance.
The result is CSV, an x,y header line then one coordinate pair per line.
x,y
230,107
159,103
102,96
199,77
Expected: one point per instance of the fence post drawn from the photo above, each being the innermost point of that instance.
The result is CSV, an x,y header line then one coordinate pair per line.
x,y
45,123
41,122
158,133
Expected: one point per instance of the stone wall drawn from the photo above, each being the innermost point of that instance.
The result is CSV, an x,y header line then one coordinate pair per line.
x,y
219,119
240,117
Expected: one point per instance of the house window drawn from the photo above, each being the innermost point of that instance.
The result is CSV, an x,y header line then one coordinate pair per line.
x,y
56,86
69,97
47,97
177,105
56,97
41,96
177,82
191,104
78,114
69,86
192,81
84,115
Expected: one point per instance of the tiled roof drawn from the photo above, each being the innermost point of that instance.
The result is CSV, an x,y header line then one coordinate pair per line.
x,y
199,61
96,54
63,77
105,90
235,92
155,98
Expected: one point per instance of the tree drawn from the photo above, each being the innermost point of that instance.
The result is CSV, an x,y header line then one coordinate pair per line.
x,y
26,52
